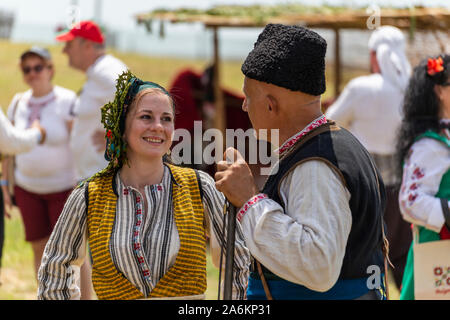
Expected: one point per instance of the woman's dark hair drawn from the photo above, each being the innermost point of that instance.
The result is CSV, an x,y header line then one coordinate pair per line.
x,y
421,107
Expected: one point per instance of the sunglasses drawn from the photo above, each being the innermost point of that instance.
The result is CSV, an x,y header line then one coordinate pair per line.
x,y
38,68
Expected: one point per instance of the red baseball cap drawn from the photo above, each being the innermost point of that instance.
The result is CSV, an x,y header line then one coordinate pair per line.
x,y
84,29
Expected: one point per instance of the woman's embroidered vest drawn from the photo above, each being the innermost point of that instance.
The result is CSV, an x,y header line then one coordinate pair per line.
x,y
186,277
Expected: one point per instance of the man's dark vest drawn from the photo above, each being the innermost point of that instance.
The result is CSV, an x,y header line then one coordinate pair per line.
x,y
342,151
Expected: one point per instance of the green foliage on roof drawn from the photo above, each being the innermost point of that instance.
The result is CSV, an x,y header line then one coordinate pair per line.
x,y
255,11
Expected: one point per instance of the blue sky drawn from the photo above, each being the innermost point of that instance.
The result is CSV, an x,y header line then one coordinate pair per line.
x,y
119,13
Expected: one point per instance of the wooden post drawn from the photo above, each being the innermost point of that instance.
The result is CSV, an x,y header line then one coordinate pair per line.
x,y
337,62
220,123
220,118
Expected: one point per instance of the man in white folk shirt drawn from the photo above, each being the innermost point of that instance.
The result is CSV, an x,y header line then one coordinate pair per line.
x,y
370,108
85,48
316,227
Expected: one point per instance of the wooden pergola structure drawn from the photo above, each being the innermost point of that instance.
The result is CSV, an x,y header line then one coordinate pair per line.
x,y
413,19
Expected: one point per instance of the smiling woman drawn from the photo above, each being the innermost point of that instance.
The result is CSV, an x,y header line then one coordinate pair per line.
x,y
149,126
146,220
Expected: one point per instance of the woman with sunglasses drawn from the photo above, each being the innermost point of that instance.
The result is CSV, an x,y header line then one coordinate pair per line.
x,y
423,149
43,176
146,220
13,141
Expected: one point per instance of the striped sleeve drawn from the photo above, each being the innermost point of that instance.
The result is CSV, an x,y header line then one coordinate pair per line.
x,y
59,273
213,202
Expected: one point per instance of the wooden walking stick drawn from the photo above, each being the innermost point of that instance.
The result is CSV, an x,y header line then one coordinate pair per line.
x,y
229,258
229,224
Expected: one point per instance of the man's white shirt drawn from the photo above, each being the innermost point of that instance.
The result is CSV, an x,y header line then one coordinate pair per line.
x,y
98,90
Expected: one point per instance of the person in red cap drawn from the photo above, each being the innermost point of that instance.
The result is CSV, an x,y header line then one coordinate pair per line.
x,y
85,47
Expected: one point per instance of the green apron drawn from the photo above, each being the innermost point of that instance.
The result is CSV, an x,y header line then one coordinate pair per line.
x,y
425,235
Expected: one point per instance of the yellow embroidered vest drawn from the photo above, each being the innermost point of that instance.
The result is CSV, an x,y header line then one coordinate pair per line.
x,y
188,274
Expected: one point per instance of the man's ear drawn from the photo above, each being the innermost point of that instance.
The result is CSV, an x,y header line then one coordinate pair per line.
x,y
272,104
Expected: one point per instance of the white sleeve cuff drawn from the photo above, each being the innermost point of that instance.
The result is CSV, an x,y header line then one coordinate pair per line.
x,y
436,219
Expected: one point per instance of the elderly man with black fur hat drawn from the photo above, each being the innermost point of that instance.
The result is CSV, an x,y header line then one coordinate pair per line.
x,y
315,230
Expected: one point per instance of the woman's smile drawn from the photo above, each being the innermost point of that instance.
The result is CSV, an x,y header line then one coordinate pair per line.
x,y
154,140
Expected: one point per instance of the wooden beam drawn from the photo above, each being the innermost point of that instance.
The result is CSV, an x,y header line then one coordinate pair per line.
x,y
425,19
337,63
220,117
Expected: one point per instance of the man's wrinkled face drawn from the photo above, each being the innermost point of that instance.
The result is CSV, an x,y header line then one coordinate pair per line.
x,y
255,104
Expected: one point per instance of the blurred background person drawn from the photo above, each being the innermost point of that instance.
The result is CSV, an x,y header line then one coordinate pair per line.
x,y
369,103
86,51
12,141
44,176
423,149
85,48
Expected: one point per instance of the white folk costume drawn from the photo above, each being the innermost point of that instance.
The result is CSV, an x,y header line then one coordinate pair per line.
x,y
374,101
317,224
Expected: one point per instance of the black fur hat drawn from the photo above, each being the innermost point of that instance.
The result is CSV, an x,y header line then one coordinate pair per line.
x,y
291,57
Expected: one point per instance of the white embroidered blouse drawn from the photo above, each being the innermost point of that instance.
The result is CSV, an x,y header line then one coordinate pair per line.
x,y
425,165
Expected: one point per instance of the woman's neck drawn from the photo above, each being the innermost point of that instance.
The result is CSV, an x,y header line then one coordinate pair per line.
x,y
141,173
42,91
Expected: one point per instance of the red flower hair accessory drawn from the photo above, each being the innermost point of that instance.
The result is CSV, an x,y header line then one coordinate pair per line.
x,y
435,66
